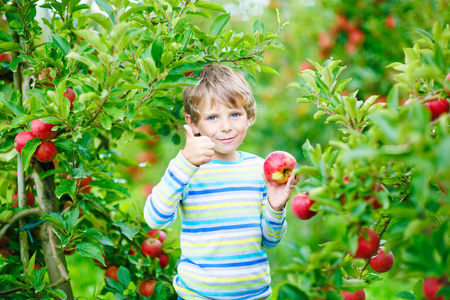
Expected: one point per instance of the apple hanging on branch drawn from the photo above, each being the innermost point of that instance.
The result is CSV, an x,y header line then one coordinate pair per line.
x,y
300,206
367,246
382,262
278,166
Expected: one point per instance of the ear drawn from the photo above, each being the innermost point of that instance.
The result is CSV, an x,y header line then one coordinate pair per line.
x,y
191,124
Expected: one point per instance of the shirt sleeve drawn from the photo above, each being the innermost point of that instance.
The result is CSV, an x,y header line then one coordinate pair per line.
x,y
273,224
161,205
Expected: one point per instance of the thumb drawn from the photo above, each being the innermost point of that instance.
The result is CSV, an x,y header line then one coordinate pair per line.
x,y
189,132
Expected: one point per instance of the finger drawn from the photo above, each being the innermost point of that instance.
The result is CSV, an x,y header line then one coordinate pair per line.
x,y
189,131
296,179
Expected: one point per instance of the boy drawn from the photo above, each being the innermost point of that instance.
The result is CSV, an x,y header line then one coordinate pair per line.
x,y
222,195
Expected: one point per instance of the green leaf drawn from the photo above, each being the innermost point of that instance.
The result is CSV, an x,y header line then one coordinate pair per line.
x,y
11,104
56,219
210,6
269,70
110,185
405,295
103,239
172,81
148,65
258,26
93,38
62,44
128,231
56,293
28,151
101,20
91,250
138,7
66,186
30,267
9,46
157,51
218,24
124,276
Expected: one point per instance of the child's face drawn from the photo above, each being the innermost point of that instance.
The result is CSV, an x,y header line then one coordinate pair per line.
x,y
226,126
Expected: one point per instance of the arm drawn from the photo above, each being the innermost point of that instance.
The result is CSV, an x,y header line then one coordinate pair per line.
x,y
273,225
162,204
273,222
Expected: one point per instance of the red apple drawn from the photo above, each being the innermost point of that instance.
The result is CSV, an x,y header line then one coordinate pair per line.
x,y
164,260
5,56
70,94
151,247
325,40
278,166
46,152
438,107
99,263
84,184
390,22
305,65
356,36
111,272
45,74
367,247
42,130
147,157
21,139
37,266
157,234
28,194
358,295
4,241
146,288
431,287
382,262
350,48
5,252
300,206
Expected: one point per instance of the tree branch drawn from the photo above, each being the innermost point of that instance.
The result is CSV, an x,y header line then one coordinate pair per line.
x,y
18,216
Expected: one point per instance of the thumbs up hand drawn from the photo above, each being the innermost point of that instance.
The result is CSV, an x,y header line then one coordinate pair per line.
x,y
198,150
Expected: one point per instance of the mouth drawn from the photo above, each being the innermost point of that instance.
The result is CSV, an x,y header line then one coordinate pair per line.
x,y
227,140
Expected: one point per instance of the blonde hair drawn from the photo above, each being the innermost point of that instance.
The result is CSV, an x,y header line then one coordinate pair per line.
x,y
221,85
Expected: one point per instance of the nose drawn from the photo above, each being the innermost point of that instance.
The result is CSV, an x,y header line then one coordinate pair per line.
x,y
226,125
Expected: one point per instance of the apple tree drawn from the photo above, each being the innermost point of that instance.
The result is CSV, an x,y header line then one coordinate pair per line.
x,y
384,182
78,84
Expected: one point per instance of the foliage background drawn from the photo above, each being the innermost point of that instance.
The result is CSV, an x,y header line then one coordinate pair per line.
x,y
282,123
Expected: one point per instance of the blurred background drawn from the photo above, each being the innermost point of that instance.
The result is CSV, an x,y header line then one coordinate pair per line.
x,y
366,35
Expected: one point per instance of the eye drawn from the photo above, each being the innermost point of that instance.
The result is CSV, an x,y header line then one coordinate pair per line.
x,y
235,115
212,118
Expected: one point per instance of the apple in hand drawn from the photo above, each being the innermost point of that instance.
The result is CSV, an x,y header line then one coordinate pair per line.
x,y
382,262
358,295
278,166
431,287
300,206
438,107
42,130
367,247
151,247
147,287
21,139
46,152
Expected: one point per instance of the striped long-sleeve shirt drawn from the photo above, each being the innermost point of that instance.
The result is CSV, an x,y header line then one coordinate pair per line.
x,y
225,224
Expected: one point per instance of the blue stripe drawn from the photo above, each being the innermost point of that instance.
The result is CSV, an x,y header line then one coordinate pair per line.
x,y
230,227
223,294
175,178
161,215
218,183
223,190
223,220
228,257
229,265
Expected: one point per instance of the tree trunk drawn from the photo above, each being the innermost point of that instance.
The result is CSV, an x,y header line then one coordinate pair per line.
x,y
48,202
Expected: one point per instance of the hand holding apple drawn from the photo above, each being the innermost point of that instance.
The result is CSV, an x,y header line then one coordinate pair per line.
x,y
278,194
198,150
